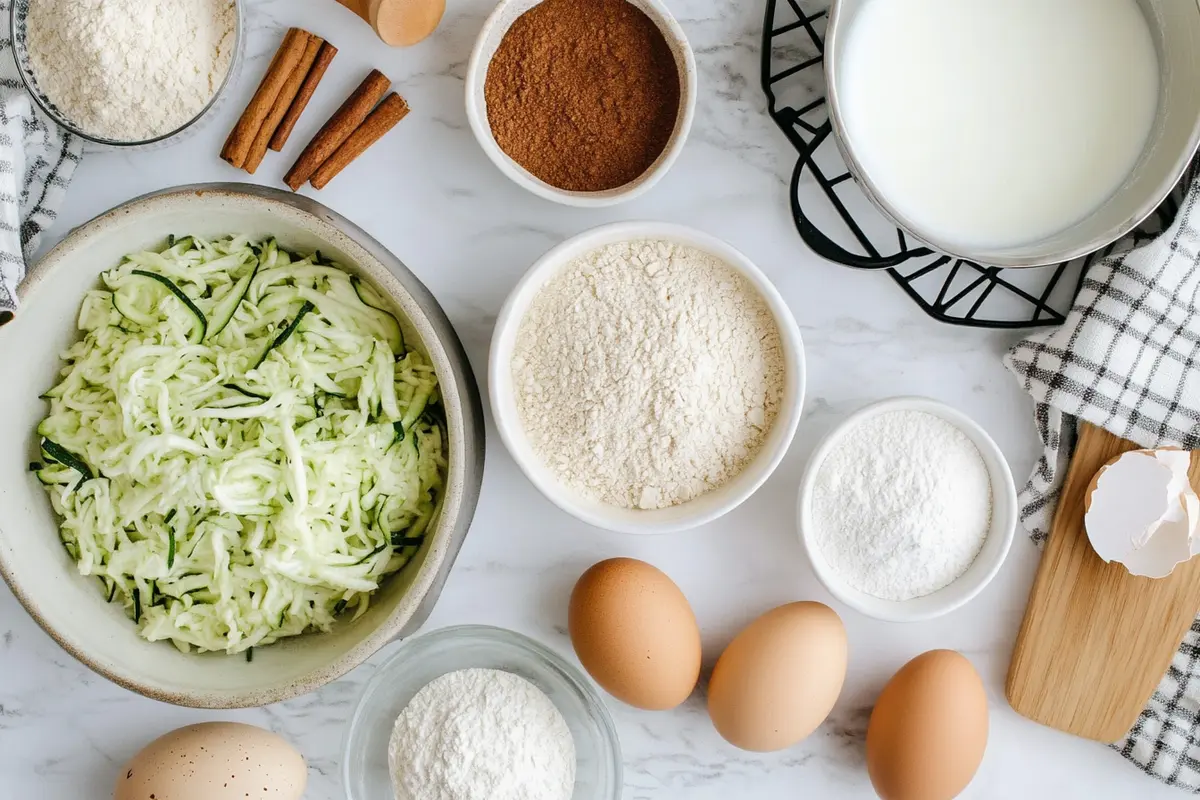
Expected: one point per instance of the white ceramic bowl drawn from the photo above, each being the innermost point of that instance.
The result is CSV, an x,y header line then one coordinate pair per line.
x,y
72,608
702,509
413,665
497,24
986,564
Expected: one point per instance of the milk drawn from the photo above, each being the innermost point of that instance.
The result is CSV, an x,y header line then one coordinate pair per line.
x,y
994,123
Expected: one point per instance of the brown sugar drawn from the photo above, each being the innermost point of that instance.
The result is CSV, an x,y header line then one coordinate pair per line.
x,y
584,94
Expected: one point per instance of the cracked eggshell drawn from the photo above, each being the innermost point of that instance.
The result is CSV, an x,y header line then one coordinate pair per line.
x,y
214,761
1142,512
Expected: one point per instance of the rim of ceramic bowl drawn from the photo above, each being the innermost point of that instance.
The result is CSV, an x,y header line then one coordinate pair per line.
x,y
508,422
981,572
416,646
836,30
462,495
477,74
25,71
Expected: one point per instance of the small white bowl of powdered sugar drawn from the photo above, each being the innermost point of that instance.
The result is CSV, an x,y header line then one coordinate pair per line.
x,y
127,73
907,510
646,377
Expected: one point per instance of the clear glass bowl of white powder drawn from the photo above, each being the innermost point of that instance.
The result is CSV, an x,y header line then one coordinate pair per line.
x,y
143,97
414,664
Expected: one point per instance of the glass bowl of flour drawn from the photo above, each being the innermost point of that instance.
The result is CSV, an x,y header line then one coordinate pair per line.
x,y
136,74
474,712
907,510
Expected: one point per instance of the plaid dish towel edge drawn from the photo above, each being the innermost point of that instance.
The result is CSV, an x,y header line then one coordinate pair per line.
x,y
1128,360
37,161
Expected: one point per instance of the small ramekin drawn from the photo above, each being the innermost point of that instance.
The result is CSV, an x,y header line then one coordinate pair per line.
x,y
497,24
702,509
986,564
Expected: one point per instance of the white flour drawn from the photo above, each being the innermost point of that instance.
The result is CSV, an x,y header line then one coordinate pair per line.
x,y
130,70
902,505
647,373
481,734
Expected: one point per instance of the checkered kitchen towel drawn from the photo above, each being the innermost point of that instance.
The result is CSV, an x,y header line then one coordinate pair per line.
x,y
1128,360
37,159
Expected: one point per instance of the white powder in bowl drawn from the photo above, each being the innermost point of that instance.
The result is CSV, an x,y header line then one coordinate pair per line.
x,y
481,734
130,70
902,505
647,373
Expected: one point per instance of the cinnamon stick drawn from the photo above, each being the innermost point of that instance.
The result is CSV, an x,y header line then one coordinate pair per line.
x,y
382,119
282,103
338,129
307,89
241,138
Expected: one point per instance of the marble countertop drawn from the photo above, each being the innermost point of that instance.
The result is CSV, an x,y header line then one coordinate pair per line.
x,y
430,195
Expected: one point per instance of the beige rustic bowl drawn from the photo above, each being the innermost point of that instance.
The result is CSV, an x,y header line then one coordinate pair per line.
x,y
71,607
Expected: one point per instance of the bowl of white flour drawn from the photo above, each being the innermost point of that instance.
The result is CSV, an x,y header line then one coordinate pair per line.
x,y
646,377
907,510
127,73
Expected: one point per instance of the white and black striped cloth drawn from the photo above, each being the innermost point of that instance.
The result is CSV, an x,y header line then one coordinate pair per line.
x,y
1128,360
37,159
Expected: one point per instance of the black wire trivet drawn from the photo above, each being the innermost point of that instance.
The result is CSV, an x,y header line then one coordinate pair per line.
x,y
837,221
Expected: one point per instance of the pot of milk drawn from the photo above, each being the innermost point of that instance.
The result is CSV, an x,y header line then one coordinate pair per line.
x,y
1016,133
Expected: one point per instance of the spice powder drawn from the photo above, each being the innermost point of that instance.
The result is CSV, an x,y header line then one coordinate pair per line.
x,y
584,94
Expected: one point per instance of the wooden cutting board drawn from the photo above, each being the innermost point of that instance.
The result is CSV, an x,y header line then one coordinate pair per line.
x,y
1096,640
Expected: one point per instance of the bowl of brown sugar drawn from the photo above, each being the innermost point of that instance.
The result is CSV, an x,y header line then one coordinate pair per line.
x,y
584,102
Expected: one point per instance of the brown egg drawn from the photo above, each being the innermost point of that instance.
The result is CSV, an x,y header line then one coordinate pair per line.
x,y
929,729
779,678
214,761
635,633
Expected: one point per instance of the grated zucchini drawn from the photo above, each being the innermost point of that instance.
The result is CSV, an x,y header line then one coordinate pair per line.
x,y
235,447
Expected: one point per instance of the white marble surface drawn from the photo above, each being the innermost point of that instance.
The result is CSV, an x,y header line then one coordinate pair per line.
x,y
429,194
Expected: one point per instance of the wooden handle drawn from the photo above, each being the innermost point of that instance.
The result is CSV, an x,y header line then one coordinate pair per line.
x,y
399,23
360,7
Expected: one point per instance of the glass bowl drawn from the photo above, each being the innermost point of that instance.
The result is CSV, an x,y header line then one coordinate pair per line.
x,y
418,661
17,30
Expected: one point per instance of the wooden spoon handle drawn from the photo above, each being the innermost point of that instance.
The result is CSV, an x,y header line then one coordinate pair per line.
x,y
400,23
360,7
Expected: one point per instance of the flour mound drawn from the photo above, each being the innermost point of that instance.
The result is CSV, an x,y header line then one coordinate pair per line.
x,y
481,734
648,373
130,70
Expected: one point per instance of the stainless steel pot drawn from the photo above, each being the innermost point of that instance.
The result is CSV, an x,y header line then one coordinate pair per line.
x,y
1173,142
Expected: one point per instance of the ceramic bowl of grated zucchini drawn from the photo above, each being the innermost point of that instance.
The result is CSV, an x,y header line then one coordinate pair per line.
x,y
243,446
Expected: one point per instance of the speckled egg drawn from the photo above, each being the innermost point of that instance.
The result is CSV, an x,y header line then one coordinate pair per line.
x,y
635,633
214,761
